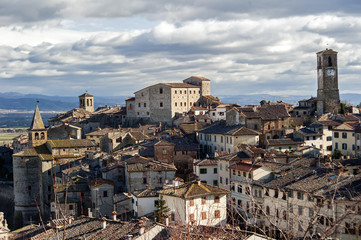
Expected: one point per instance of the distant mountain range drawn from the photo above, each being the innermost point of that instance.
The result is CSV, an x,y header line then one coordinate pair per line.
x,y
27,102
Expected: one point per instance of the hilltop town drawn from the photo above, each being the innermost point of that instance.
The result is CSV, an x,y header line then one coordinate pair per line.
x,y
175,162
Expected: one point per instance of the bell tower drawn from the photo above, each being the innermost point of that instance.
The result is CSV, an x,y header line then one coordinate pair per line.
x,y
328,97
86,101
37,132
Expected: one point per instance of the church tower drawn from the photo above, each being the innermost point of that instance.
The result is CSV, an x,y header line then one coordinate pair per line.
x,y
37,132
86,101
328,97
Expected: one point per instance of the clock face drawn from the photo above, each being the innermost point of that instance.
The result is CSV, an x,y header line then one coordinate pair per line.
x,y
330,72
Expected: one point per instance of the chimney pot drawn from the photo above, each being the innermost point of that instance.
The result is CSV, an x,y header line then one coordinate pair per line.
x,y
198,181
104,223
114,213
90,214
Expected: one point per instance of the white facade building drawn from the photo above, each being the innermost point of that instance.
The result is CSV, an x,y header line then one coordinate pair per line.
x,y
207,171
197,203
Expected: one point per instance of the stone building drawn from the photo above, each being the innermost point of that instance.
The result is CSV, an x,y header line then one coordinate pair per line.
x,y
196,203
86,101
328,97
34,168
161,102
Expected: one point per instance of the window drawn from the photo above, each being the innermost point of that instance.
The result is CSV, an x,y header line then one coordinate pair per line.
x,y
267,210
344,135
336,145
300,195
239,188
215,138
145,104
105,194
161,104
220,180
204,199
161,90
336,135
215,170
191,217
284,215
230,140
239,203
164,152
216,199
221,139
191,202
144,180
204,215
185,104
156,202
217,214
329,138
138,104
175,104
220,166
344,146
290,194
226,181
310,212
71,207
203,171
300,210
215,182
291,208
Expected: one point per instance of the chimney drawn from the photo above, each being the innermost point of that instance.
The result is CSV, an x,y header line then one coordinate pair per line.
x,y
166,220
104,223
90,214
198,181
141,227
114,213
129,194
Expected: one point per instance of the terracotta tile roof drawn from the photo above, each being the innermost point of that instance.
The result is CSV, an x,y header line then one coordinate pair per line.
x,y
220,127
193,190
291,176
245,167
271,112
164,143
206,162
85,228
64,143
100,181
180,85
283,141
130,99
327,51
148,193
86,95
308,132
142,164
325,123
197,77
74,115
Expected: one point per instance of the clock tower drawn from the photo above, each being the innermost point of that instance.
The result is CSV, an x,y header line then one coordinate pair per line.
x,y
328,97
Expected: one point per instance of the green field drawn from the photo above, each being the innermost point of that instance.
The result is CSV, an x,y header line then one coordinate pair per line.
x,y
6,136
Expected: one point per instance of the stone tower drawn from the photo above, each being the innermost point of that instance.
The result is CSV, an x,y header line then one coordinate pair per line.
x,y
37,132
86,101
27,172
328,97
203,82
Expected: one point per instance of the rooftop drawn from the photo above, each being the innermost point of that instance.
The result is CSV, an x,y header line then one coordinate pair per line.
x,y
194,190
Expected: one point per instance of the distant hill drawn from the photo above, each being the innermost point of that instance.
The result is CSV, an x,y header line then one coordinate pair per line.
x,y
254,99
26,102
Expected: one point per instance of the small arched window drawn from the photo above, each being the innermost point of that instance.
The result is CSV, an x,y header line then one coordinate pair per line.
x,y
267,210
42,135
329,62
36,136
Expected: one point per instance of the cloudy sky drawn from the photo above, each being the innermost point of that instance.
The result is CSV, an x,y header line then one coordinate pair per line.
x,y
115,47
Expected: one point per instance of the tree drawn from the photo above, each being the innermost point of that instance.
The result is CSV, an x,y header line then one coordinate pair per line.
x,y
162,210
263,102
